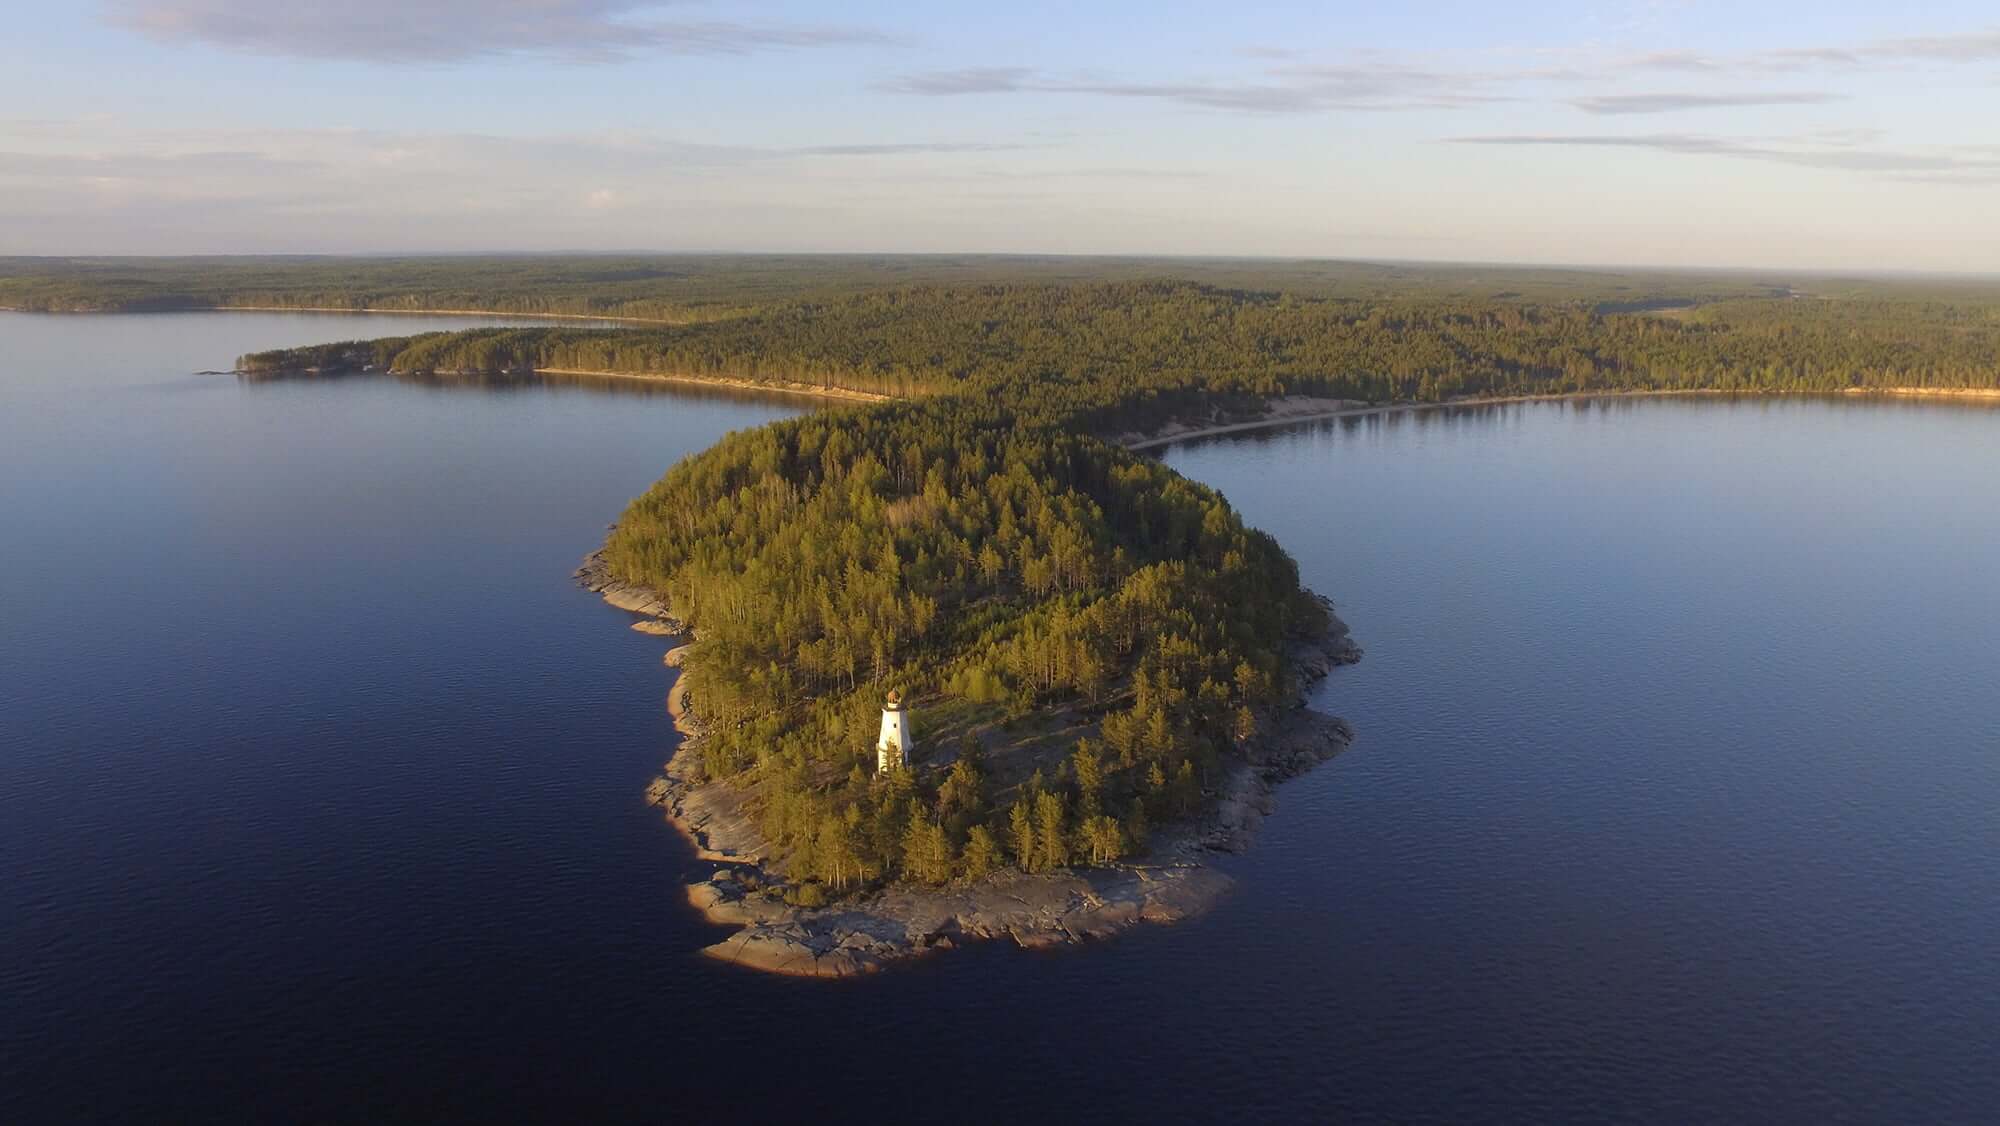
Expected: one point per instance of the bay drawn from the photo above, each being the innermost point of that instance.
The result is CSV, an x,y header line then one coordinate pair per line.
x,y
1673,798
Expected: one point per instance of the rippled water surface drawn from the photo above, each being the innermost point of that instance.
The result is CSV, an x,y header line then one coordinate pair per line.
x,y
1675,794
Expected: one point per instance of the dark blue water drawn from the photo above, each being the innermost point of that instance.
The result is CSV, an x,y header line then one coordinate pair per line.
x,y
319,783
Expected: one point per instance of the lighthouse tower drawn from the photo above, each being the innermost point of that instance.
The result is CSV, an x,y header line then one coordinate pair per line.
x,y
894,747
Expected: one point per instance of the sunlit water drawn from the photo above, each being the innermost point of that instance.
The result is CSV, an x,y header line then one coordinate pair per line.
x,y
1674,796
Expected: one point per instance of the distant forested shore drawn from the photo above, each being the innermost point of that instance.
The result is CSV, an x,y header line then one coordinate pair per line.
x,y
1133,354
677,288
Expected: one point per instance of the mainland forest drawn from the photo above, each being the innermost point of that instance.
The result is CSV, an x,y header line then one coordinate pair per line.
x,y
679,288
1131,353
983,545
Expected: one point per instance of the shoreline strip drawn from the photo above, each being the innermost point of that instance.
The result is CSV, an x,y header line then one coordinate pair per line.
x,y
776,387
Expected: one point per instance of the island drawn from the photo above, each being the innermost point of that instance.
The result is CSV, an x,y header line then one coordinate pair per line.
x,y
959,661
1051,875
1104,672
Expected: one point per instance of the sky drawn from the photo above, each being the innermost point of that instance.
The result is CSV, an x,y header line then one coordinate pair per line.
x,y
1828,135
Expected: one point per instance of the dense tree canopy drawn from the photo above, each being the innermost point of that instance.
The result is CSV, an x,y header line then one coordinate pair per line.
x,y
941,549
977,547
1129,353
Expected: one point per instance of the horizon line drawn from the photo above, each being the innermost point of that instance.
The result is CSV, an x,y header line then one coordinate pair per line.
x,y
1885,272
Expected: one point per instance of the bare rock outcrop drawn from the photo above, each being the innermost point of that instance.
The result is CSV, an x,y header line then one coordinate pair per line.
x,y
596,577
861,936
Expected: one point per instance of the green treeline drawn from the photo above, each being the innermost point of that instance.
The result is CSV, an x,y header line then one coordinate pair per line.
x,y
342,357
989,570
674,290
681,287
1130,353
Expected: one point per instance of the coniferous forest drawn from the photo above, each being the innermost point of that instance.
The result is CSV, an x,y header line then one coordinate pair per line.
x,y
992,571
979,544
1129,352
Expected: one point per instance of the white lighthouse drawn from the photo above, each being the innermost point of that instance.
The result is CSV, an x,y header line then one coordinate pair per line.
x,y
895,747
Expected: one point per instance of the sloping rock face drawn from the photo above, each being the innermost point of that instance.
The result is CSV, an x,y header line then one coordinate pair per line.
x,y
714,819
1297,738
1033,910
1313,658
596,577
1248,795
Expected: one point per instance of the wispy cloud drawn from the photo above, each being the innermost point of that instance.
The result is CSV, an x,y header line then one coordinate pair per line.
x,y
1958,47
901,149
1265,51
445,31
1693,62
1285,81
174,190
968,80
1280,90
1963,47
1613,104
101,167
104,152
1966,164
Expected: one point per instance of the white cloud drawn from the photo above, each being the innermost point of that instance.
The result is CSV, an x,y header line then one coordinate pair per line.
x,y
1287,80
1292,88
1675,102
433,31
1970,164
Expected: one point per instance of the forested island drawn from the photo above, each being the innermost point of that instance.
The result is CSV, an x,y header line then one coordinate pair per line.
x,y
1106,665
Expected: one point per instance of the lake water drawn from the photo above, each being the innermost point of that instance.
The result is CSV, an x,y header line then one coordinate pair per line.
x,y
1674,796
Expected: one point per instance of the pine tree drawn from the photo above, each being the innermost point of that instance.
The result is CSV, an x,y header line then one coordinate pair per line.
x,y
1246,726
1051,837
1104,838
926,853
1021,835
991,566
888,827
1089,771
961,796
1160,739
982,853
834,858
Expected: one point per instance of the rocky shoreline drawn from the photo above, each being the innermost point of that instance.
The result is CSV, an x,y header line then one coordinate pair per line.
x,y
596,578
1171,883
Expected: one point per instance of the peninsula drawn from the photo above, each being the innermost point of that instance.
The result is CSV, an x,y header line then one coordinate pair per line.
x,y
1103,666
1102,669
